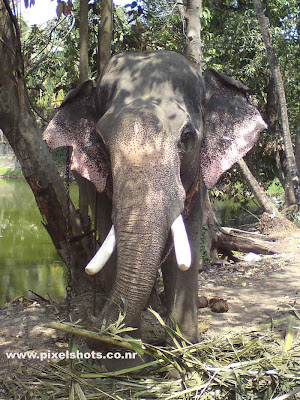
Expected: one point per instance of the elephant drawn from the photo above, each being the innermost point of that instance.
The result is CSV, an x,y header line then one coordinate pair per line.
x,y
152,134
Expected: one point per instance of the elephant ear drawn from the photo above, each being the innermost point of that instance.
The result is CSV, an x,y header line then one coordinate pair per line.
x,y
231,125
74,126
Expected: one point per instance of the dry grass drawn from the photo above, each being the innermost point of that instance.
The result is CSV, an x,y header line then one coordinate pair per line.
x,y
249,365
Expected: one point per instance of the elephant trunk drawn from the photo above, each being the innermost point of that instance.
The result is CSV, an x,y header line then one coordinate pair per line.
x,y
140,242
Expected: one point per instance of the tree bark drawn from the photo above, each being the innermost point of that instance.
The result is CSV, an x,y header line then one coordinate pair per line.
x,y
272,120
293,179
237,240
297,147
83,76
105,33
260,195
193,32
280,172
20,128
83,40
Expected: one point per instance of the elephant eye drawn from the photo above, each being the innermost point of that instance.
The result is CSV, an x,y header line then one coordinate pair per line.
x,y
187,139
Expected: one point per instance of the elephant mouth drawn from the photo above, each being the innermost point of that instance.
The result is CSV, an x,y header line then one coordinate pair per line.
x,y
181,247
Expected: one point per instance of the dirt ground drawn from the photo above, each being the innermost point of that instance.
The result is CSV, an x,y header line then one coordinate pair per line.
x,y
261,291
257,292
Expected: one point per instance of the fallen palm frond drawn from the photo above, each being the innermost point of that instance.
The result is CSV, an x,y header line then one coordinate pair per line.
x,y
250,365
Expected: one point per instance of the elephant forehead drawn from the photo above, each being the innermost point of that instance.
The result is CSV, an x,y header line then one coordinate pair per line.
x,y
142,145
136,133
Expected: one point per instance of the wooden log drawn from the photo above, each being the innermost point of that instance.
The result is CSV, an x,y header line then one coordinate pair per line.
x,y
237,240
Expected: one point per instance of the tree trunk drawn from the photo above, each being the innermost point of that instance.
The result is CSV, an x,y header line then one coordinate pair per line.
x,y
280,172
83,40
297,146
272,120
105,33
193,32
20,128
83,76
293,179
260,195
237,240
273,217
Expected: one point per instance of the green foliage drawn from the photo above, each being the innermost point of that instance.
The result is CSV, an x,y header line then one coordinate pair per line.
x,y
276,189
8,173
148,25
49,63
51,58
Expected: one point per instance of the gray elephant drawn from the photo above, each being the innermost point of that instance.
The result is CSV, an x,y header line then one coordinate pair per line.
x,y
147,136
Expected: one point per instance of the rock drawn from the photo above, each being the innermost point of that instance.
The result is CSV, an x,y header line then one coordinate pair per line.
x,y
218,305
250,257
202,302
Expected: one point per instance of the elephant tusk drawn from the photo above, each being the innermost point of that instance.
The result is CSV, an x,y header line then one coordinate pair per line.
x,y
103,254
181,244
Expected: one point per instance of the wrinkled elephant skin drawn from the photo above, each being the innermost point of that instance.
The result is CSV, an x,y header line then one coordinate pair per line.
x,y
145,134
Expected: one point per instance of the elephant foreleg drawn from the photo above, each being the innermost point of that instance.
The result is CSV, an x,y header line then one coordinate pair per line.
x,y
181,287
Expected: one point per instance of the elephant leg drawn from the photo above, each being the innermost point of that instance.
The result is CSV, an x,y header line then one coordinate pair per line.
x,y
181,287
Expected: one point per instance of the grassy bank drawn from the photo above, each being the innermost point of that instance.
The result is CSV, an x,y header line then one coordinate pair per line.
x,y
7,173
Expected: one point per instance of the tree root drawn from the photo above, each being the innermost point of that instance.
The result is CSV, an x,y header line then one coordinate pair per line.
x,y
282,236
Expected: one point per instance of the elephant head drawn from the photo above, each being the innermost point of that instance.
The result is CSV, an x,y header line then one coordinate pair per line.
x,y
154,125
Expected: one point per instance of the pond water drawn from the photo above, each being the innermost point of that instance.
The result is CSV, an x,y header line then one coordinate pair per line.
x,y
233,214
28,259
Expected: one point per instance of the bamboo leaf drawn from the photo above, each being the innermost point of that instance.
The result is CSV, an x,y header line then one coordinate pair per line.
x,y
79,392
289,334
72,392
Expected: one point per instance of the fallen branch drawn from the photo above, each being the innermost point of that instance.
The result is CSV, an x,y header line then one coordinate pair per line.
x,y
113,341
237,240
277,234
